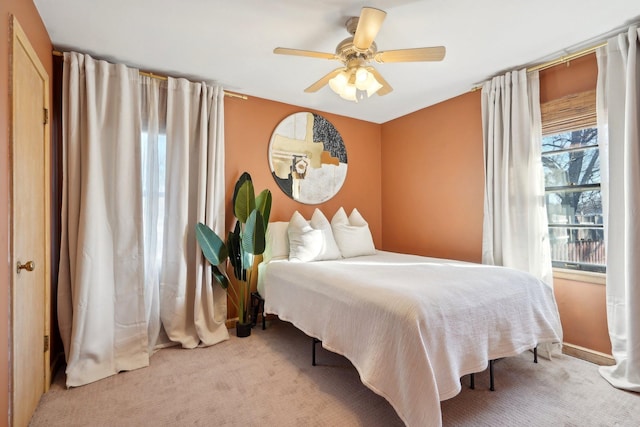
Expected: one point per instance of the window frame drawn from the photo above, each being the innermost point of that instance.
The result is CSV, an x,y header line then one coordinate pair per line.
x,y
566,114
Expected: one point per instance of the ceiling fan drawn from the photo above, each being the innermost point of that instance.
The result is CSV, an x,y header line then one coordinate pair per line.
x,y
357,78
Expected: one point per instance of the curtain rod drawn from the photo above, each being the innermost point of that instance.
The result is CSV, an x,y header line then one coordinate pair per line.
x,y
566,58
163,77
561,60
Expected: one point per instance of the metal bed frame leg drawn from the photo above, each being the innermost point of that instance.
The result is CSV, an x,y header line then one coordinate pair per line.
x,y
314,341
257,303
256,299
472,382
491,387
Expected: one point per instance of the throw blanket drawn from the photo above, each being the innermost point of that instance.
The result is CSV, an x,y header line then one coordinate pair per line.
x,y
412,326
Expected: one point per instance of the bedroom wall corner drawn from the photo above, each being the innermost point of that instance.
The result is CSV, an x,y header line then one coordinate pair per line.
x,y
27,14
432,180
248,128
432,191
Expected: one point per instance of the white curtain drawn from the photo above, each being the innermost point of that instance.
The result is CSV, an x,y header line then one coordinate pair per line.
x,y
194,193
101,313
515,230
618,102
154,123
132,278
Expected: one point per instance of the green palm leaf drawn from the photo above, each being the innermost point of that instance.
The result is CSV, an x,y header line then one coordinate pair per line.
x,y
244,177
220,277
253,240
245,201
263,204
212,246
235,251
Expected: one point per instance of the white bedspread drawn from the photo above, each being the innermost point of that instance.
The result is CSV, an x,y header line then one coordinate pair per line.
x,y
412,326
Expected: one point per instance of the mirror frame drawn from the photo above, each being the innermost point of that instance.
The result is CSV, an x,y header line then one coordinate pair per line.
x,y
308,158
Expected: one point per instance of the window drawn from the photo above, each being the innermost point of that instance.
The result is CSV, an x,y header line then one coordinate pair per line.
x,y
154,160
571,162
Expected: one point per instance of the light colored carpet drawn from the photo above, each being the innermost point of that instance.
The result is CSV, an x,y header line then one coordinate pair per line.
x,y
267,380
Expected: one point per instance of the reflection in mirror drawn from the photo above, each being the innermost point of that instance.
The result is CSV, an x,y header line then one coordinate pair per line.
x,y
308,158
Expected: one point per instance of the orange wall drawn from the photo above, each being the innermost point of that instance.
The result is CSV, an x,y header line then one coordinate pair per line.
x,y
582,305
580,75
432,186
248,128
432,192
583,313
30,21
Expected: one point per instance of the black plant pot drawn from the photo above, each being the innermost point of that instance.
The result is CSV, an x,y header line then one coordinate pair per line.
x,y
243,329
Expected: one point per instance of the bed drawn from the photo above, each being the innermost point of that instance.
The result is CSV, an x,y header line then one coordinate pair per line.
x,y
412,326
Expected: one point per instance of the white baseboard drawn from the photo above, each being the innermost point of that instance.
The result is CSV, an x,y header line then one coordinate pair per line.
x,y
589,355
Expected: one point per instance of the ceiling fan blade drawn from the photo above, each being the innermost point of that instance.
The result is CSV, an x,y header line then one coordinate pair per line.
x,y
323,81
386,87
309,53
435,53
369,24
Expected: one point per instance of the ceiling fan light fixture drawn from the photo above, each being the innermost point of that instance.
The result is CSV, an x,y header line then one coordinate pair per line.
x,y
356,52
349,93
361,78
339,82
354,85
372,85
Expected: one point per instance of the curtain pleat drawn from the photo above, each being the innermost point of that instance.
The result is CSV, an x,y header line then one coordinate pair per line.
x,y
101,286
132,278
153,116
211,299
515,229
618,101
195,157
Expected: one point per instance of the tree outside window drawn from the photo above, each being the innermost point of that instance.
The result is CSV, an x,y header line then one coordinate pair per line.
x,y
571,162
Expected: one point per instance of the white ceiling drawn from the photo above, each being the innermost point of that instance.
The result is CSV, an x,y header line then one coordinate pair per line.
x,y
231,42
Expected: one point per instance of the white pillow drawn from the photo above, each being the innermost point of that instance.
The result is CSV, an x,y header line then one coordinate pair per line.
x,y
352,234
329,249
305,242
277,241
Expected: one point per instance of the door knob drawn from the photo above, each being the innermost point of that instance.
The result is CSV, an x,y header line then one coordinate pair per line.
x,y
29,266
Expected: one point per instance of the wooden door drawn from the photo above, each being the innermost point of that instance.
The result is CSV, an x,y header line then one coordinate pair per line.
x,y
30,229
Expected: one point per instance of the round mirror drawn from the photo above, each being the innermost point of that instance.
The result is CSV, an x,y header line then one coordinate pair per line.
x,y
308,158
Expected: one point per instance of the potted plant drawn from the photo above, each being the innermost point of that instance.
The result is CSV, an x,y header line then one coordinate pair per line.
x,y
244,242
